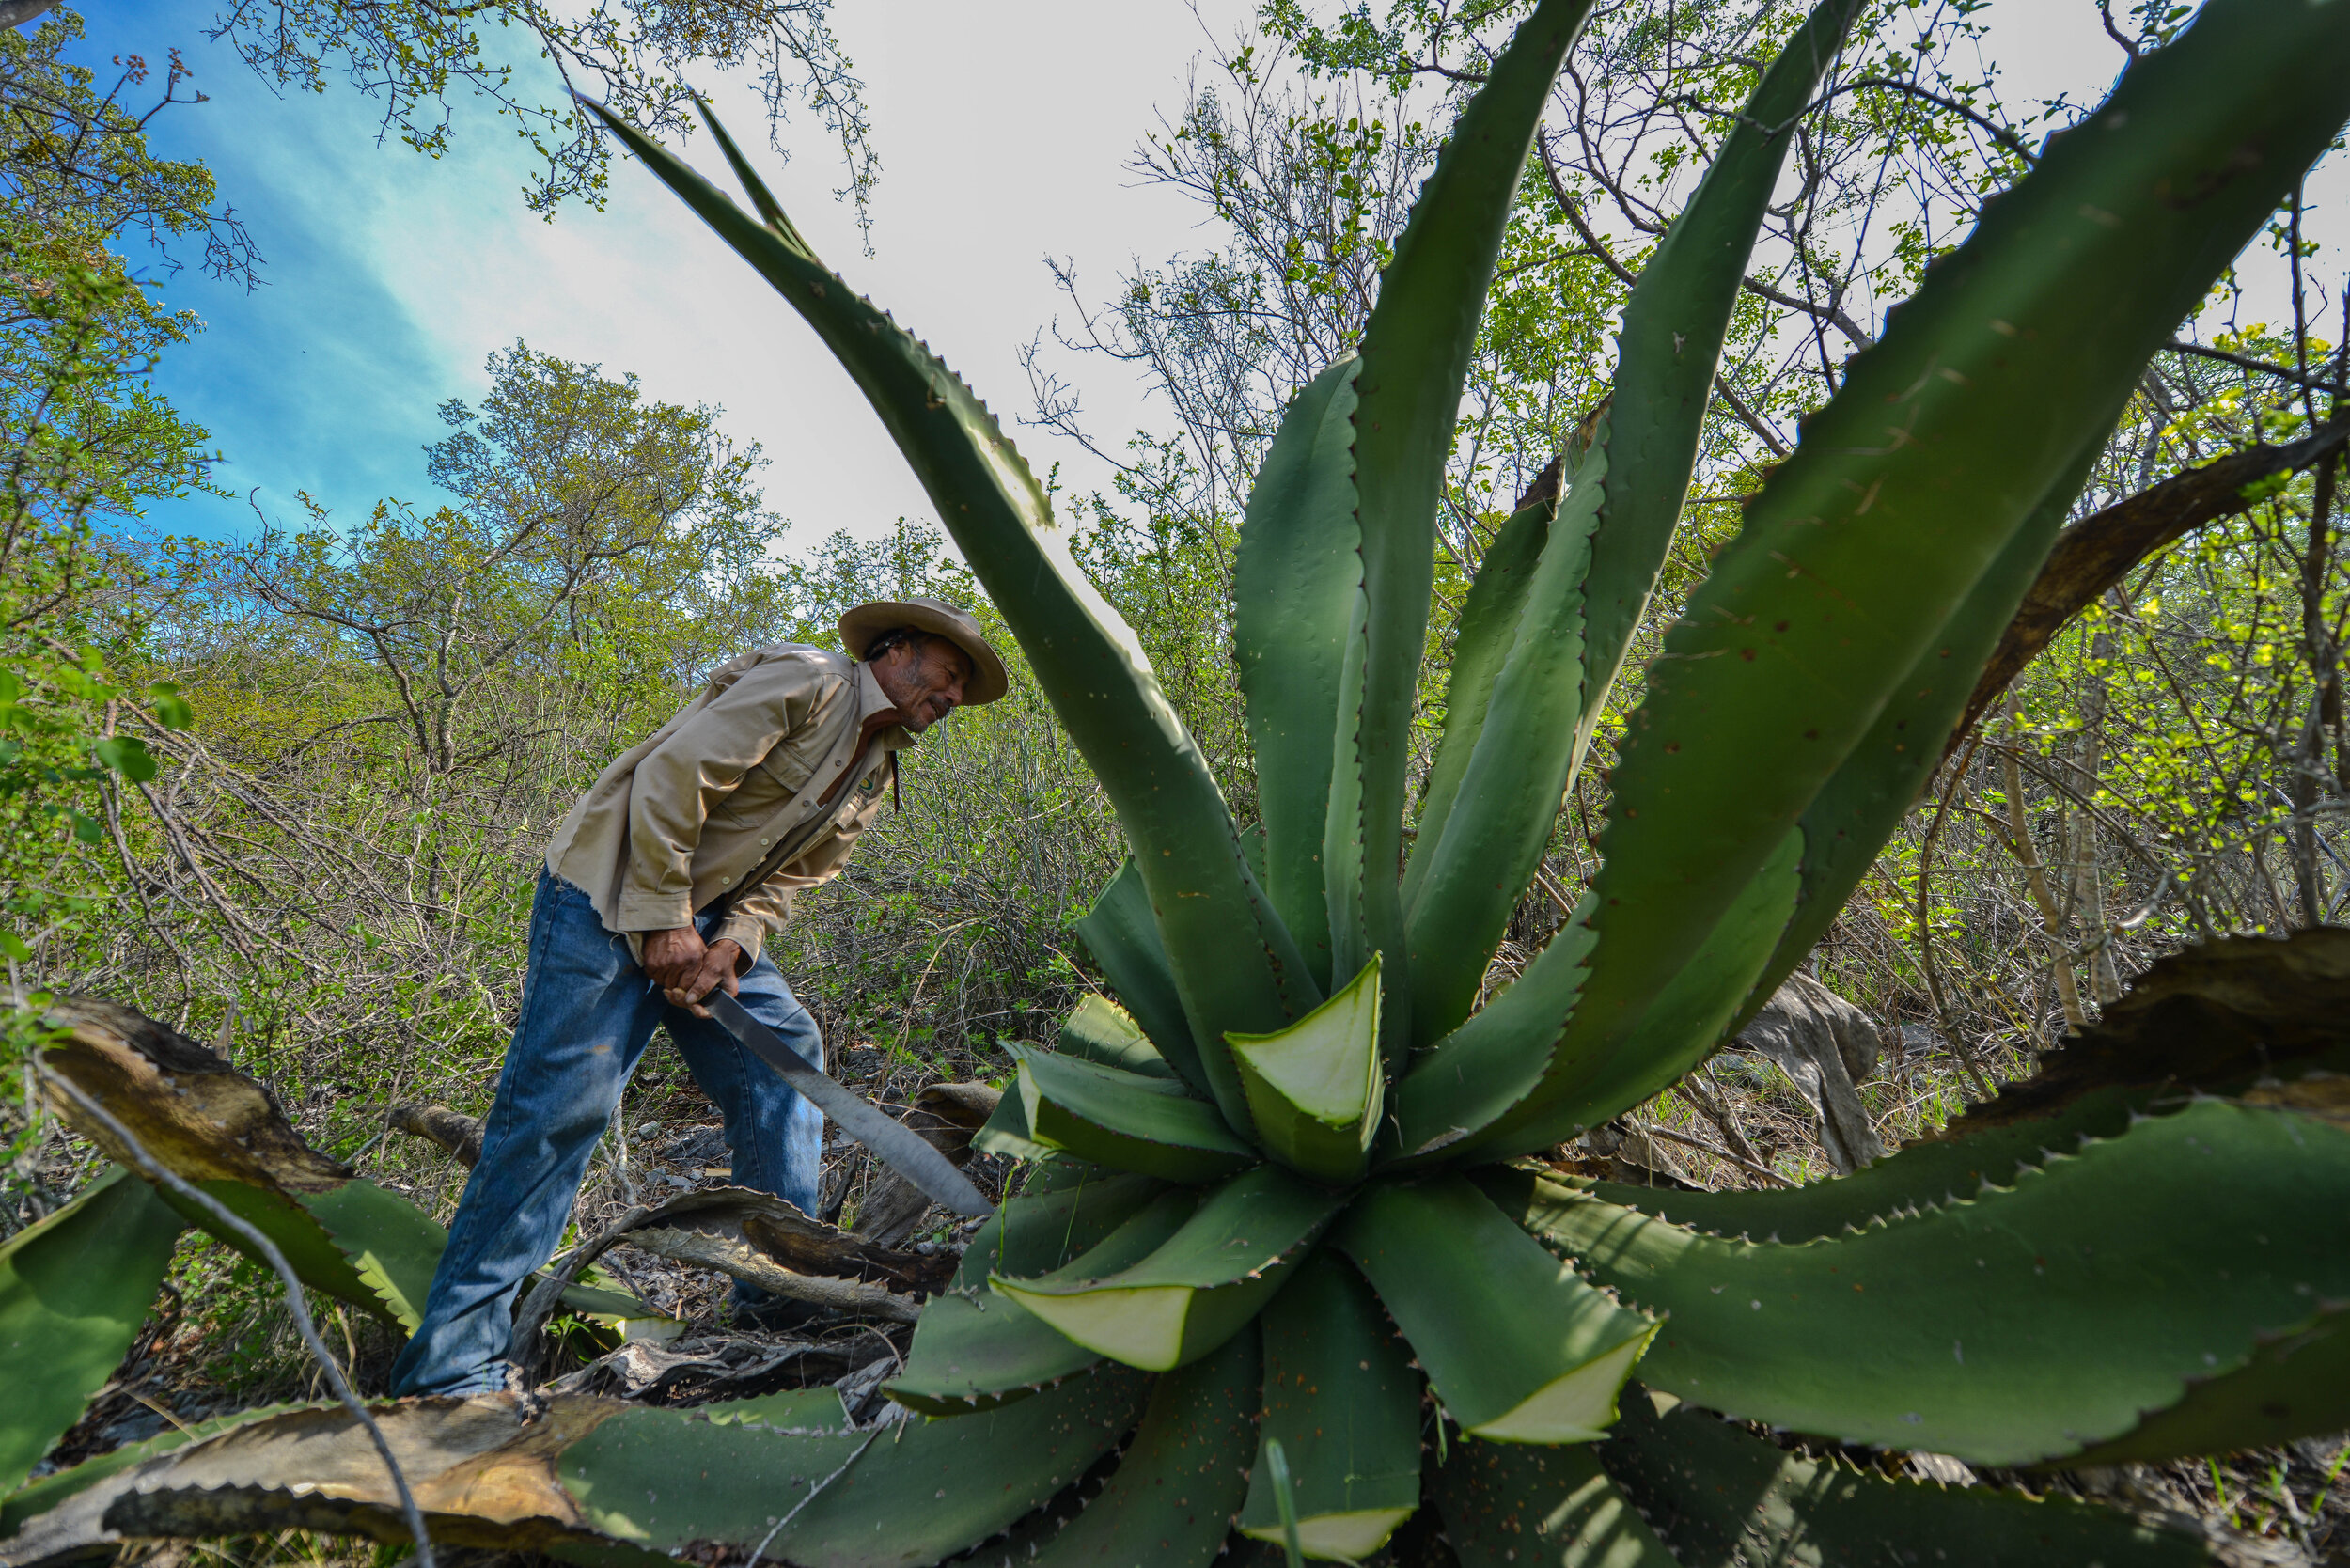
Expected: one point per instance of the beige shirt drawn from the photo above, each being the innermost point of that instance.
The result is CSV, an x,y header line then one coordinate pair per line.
x,y
728,788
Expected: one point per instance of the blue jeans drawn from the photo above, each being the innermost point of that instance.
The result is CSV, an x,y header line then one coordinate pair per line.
x,y
588,1012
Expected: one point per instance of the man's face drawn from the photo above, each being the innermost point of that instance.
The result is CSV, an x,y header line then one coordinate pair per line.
x,y
924,680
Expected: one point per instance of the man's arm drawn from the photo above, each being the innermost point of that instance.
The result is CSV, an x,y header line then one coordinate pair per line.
x,y
682,782
766,908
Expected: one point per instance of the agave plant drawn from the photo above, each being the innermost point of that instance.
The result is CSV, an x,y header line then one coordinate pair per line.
x,y
1286,1186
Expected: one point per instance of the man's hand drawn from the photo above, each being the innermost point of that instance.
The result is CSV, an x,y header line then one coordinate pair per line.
x,y
685,968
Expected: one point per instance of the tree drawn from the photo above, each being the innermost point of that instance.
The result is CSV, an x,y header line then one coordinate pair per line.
x,y
84,441
632,53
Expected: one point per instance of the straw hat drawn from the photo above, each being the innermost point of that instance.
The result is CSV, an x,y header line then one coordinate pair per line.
x,y
860,626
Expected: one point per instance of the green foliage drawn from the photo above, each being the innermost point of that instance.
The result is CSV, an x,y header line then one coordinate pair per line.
x,y
2072,1277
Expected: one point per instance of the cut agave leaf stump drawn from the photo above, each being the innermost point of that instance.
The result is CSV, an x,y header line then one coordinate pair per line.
x,y
1285,1169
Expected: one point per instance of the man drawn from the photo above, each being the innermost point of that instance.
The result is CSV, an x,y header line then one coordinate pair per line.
x,y
663,883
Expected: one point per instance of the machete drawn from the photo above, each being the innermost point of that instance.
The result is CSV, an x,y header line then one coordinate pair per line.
x,y
900,1147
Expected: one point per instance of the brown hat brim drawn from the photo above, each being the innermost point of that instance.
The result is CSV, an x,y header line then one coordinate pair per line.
x,y
988,680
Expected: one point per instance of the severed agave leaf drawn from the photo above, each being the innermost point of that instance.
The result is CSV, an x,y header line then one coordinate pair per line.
x,y
221,1132
1315,1087
1343,1401
1125,1121
1098,1029
1517,1346
1198,1287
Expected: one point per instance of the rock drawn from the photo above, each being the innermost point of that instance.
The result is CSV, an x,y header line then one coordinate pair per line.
x,y
1827,1046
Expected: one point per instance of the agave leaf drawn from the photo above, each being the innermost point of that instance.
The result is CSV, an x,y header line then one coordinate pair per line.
x,y
1517,1347
599,1480
51,1492
1481,637
1509,794
1506,1054
975,1349
1549,692
2289,1388
1199,1288
1006,1132
1722,1496
2223,1019
818,1410
1170,1503
1124,1120
1415,355
915,1492
1672,344
74,1290
1123,936
1864,800
1100,1030
1473,1076
221,1132
1511,1503
2028,1324
1298,593
1314,1087
482,1479
1688,1018
1341,1398
1234,963
1944,438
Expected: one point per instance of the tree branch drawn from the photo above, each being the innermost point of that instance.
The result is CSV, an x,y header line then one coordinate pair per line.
x,y
2097,552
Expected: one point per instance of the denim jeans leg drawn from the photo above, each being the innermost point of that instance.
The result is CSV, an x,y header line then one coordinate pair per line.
x,y
777,1136
587,1013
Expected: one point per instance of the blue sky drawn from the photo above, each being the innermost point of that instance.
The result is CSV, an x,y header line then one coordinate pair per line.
x,y
1002,130
390,276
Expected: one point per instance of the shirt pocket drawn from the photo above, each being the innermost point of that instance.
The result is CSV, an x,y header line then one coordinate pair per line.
x,y
787,769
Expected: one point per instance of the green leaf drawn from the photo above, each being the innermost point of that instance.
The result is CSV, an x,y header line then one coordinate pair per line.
x,y
128,756
1198,1289
1507,1504
1098,1029
1910,483
1416,353
2290,1388
1314,1087
818,1410
1297,627
1170,1503
171,709
904,1497
1124,1120
1341,1398
1517,1347
1234,963
1481,638
1123,936
1683,1025
2243,1016
2028,1323
975,1349
1863,802
1470,1078
1500,824
74,1290
1006,1132
1725,1496
1671,345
